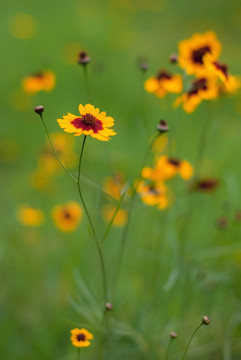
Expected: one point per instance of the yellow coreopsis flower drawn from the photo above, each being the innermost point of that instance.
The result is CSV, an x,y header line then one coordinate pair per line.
x,y
68,216
89,122
201,89
166,168
44,80
164,83
153,193
80,337
30,216
193,50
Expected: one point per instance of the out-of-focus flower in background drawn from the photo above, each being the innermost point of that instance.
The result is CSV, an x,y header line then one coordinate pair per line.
x,y
22,26
164,83
30,216
67,216
40,81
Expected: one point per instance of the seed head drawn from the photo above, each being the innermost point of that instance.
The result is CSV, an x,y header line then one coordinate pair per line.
x,y
173,335
173,59
39,109
108,306
206,320
84,58
162,127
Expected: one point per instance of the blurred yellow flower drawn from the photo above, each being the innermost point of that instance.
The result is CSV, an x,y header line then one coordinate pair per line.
x,y
68,216
164,83
153,193
80,337
166,168
30,216
215,68
90,122
114,185
22,26
201,89
193,50
42,81
120,218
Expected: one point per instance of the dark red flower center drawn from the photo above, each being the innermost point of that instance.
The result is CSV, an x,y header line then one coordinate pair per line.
x,y
174,162
80,337
199,84
197,55
163,74
222,67
66,214
88,122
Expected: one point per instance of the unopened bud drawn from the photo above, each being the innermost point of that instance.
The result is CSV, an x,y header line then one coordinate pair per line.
x,y
144,66
173,334
206,320
162,126
84,58
173,59
39,109
108,306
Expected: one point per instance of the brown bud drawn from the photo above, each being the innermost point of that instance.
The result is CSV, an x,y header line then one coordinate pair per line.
x,y
84,58
39,109
222,222
206,320
173,59
173,335
108,306
144,66
162,127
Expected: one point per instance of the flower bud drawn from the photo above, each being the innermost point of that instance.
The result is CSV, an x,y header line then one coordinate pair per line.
x,y
39,109
206,320
84,58
173,59
173,335
108,306
162,127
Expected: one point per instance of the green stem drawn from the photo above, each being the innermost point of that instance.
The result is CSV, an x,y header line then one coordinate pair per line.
x,y
168,348
102,263
86,80
143,101
55,153
189,342
203,141
78,354
125,231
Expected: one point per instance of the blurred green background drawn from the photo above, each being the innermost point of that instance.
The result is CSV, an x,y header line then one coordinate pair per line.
x,y
38,264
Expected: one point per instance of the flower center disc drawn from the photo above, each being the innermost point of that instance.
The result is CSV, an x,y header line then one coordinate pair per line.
x,y
88,119
80,337
197,55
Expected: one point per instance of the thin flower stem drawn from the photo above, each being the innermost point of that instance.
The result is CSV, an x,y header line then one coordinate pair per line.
x,y
125,231
203,141
143,101
55,153
168,348
86,80
189,342
78,354
102,263
113,217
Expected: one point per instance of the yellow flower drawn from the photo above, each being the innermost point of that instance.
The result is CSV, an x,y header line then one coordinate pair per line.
x,y
153,193
90,122
68,216
30,216
166,168
114,185
215,68
163,83
192,52
120,218
80,337
44,80
202,89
